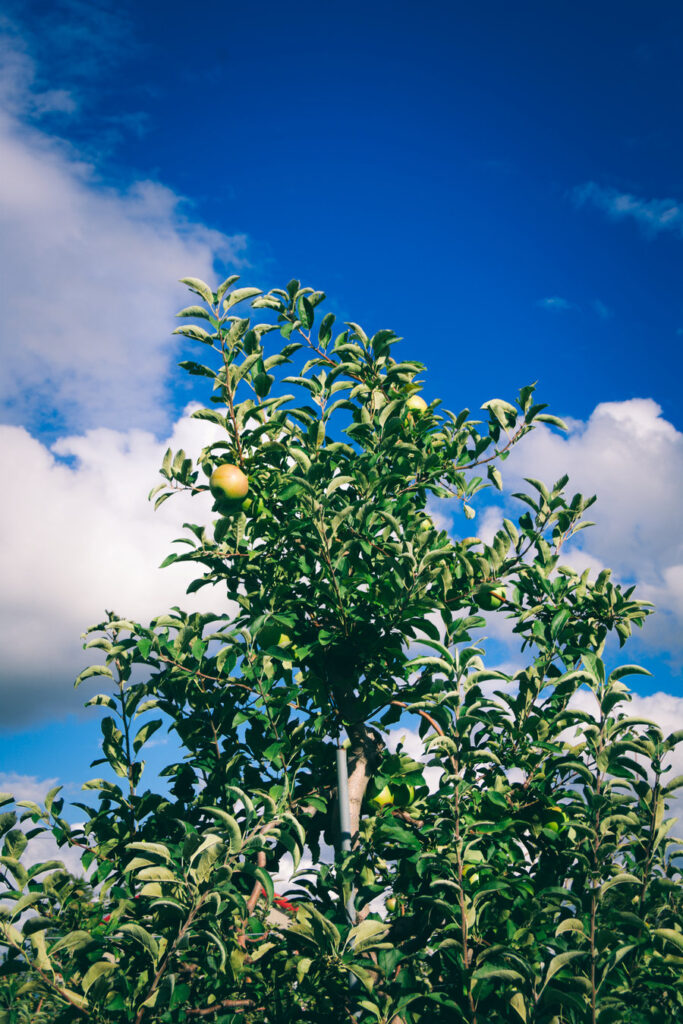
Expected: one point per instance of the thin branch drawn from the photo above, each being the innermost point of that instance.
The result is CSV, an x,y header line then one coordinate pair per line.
x,y
226,1004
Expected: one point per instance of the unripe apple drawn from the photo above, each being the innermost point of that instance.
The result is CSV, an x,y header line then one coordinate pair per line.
x,y
404,794
383,798
390,904
229,483
490,597
558,820
272,636
416,404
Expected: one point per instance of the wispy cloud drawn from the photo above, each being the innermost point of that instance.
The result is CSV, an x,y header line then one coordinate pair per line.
x,y
603,311
654,216
555,303
86,42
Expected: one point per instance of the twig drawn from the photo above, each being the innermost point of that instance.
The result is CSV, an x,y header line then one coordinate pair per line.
x,y
225,1004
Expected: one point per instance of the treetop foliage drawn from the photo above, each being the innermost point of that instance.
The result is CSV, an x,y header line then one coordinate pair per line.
x,y
535,881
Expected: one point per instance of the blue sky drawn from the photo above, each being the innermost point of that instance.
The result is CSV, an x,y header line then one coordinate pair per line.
x,y
501,184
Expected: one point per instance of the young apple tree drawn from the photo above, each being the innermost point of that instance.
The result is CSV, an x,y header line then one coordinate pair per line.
x,y
534,881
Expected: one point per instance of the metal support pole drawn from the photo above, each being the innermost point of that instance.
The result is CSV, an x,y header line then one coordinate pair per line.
x,y
345,822
345,844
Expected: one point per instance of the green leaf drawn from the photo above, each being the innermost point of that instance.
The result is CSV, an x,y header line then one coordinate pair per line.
x,y
94,670
570,924
366,934
620,879
673,739
103,700
141,935
222,288
157,849
239,295
196,333
210,841
97,970
560,961
156,873
501,973
71,942
670,935
144,733
554,421
266,881
497,481
518,1004
303,966
502,412
559,621
305,311
194,311
198,287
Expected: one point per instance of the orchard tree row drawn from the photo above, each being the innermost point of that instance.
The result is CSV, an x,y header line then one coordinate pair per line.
x,y
537,881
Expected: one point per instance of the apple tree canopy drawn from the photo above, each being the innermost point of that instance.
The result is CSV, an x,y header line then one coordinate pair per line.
x,y
534,880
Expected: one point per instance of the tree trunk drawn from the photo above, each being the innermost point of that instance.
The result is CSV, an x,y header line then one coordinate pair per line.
x,y
364,754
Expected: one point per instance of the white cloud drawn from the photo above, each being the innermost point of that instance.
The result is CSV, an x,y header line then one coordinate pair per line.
x,y
555,303
632,458
413,744
44,846
89,273
667,712
654,216
78,539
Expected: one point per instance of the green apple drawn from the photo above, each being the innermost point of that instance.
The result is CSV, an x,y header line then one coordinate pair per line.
x,y
558,819
416,404
404,794
390,904
272,636
229,483
384,798
489,596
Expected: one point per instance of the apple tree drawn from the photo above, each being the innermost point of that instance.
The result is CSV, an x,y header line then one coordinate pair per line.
x,y
511,862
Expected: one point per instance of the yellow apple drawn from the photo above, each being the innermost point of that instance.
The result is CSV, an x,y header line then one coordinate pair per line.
x,y
229,482
384,798
416,404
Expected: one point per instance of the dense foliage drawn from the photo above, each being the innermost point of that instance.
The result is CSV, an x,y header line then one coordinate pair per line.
x,y
534,881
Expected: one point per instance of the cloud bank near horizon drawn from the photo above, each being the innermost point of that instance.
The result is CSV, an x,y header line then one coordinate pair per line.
x,y
79,536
